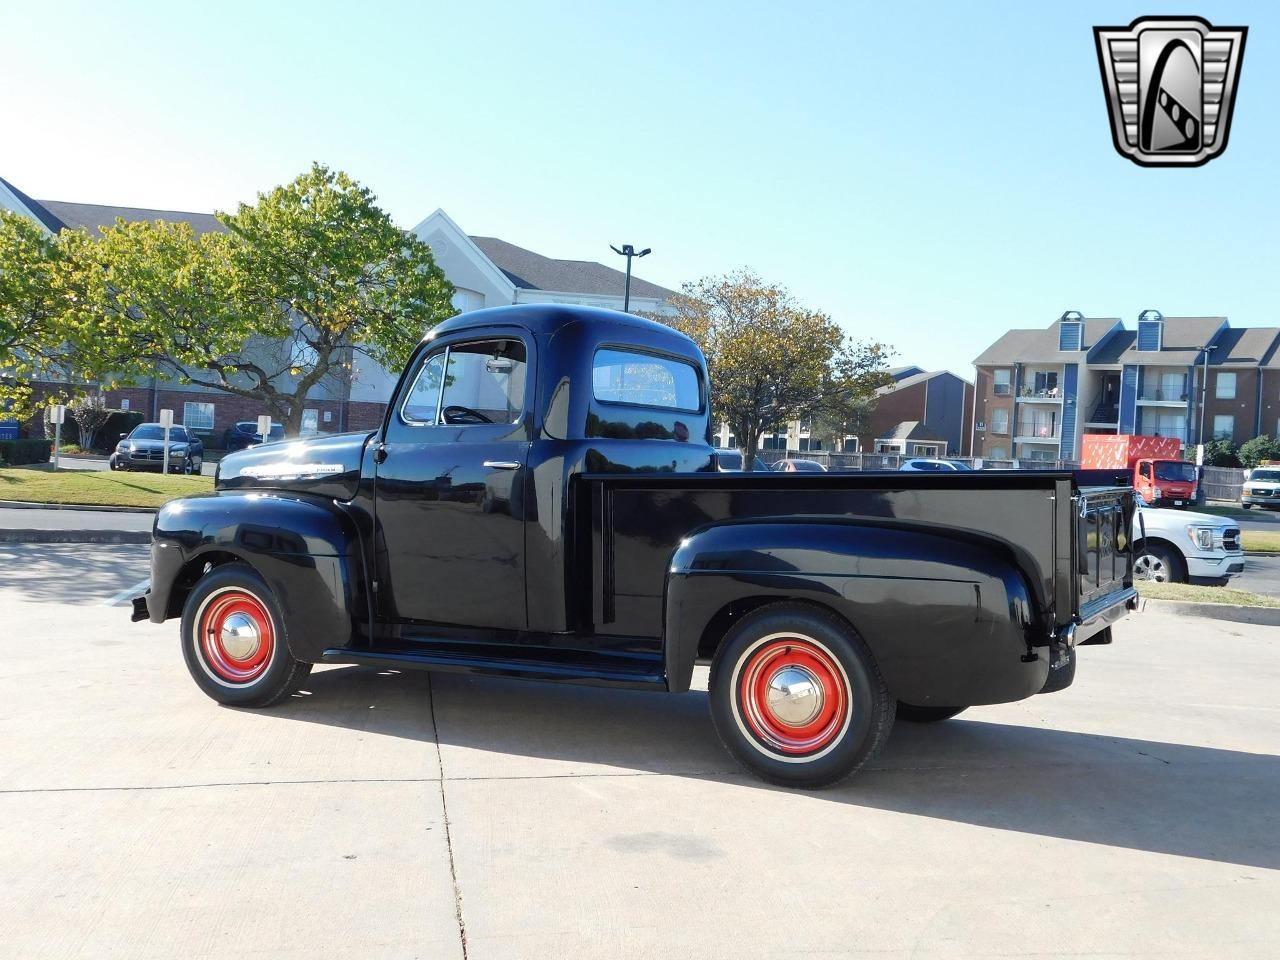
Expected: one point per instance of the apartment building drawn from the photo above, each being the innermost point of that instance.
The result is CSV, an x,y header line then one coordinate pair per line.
x,y
1194,378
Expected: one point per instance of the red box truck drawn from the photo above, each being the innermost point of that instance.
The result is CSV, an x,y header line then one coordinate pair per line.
x,y
1159,472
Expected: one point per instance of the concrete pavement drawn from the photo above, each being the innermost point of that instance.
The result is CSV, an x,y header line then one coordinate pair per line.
x,y
398,814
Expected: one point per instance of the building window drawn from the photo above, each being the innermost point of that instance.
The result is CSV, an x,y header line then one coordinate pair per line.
x,y
1225,386
1224,427
999,420
998,453
1003,382
198,416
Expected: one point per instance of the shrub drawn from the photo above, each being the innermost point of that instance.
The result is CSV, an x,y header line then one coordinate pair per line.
x,y
19,452
1221,453
1253,452
120,421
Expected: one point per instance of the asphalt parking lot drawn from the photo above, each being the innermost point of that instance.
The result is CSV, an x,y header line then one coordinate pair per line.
x,y
387,814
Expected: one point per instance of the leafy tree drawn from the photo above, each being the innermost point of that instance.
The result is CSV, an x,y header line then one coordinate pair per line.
x,y
32,304
1221,453
1253,452
90,413
771,360
304,279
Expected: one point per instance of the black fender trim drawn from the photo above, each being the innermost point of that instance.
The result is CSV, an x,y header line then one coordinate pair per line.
x,y
950,620
307,549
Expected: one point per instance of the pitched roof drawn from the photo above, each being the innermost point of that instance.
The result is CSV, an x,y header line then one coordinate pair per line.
x,y
899,373
94,216
915,378
1246,346
1041,346
1113,347
533,271
51,223
910,430
1182,342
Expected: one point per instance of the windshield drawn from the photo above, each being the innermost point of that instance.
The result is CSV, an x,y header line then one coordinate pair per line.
x,y
1175,470
1270,476
148,431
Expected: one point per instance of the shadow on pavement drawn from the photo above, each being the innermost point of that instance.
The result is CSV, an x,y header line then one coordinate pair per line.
x,y
74,573
1160,797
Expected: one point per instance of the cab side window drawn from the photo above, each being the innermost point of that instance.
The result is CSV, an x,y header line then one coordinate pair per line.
x,y
468,383
1145,471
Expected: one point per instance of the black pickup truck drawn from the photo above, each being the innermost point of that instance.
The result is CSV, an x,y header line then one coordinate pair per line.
x,y
542,501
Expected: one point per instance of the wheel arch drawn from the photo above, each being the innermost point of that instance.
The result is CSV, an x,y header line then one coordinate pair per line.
x,y
947,620
309,554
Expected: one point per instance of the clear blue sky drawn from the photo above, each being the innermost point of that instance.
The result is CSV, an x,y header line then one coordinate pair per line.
x,y
929,174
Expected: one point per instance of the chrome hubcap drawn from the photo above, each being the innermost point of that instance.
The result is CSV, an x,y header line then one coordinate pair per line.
x,y
794,696
1147,567
240,636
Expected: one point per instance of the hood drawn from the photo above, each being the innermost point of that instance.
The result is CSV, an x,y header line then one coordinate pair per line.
x,y
327,465
1189,518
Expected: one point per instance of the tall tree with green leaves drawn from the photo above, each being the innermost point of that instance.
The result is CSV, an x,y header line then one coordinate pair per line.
x,y
33,303
772,360
311,275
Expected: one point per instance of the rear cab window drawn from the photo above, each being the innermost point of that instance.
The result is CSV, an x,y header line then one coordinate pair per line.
x,y
645,380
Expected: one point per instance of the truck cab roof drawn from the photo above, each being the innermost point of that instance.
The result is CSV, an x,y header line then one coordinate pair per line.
x,y
547,319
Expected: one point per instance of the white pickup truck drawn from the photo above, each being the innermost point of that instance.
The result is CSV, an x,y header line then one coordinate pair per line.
x,y
1175,546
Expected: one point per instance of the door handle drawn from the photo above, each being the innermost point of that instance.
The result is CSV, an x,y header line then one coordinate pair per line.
x,y
379,453
502,464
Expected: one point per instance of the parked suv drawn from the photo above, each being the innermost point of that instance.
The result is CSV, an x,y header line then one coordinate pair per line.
x,y
244,434
1262,488
143,449
799,466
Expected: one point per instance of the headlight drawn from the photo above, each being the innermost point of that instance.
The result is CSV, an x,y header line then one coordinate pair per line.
x,y
177,448
132,448
1202,537
1157,493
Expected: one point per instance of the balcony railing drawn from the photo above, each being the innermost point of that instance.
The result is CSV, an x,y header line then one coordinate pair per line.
x,y
1044,393
1164,394
1037,430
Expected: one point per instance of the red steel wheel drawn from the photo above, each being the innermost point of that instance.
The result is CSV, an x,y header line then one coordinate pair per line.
x,y
237,640
793,695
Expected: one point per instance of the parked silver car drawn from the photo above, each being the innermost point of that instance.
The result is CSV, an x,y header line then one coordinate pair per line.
x,y
933,465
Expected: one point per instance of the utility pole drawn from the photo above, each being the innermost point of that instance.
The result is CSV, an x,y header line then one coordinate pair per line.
x,y
1204,387
628,251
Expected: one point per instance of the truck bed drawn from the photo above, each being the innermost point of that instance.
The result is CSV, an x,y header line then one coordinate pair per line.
x,y
634,524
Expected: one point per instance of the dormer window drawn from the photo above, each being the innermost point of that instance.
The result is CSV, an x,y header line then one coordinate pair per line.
x,y
1150,330
1071,331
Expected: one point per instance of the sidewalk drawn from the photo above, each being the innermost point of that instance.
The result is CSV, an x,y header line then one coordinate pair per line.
x,y
73,526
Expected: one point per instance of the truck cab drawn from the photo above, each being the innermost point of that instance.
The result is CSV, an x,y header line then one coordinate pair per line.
x,y
1165,483
542,501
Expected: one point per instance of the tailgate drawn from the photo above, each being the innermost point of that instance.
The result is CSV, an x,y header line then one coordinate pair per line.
x,y
1104,557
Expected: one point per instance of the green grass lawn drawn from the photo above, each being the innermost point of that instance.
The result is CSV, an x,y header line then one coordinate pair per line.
x,y
1260,541
1201,594
104,488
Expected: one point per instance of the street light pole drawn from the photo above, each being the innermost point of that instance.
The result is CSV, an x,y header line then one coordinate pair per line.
x,y
628,251
1204,387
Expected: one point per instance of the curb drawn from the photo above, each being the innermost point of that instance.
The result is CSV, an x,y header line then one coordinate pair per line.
x,y
29,505
75,536
1266,616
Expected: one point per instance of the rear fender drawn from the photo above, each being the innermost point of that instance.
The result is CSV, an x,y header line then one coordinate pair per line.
x,y
949,620
306,549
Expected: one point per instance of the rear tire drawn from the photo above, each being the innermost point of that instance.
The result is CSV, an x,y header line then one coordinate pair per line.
x,y
235,642
914,714
797,697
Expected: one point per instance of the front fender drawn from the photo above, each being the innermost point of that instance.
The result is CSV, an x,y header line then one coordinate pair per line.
x,y
949,619
308,550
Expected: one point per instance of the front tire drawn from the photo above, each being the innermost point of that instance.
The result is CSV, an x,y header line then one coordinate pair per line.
x,y
1158,563
914,714
797,698
235,642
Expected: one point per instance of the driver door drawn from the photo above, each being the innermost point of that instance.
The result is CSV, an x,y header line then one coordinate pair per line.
x,y
449,494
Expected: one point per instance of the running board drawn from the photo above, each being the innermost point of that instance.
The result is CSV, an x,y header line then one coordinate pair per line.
x,y
598,672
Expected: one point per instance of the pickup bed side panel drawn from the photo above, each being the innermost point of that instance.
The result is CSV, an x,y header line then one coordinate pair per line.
x,y
308,551
949,621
